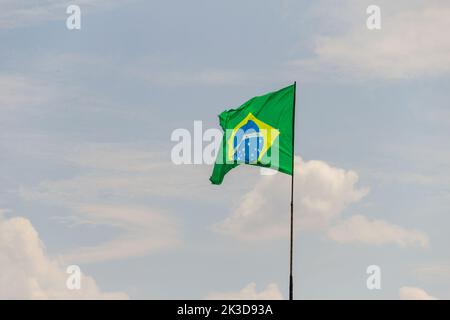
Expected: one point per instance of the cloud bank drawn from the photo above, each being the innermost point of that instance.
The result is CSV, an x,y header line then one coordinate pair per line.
x,y
321,194
412,42
28,272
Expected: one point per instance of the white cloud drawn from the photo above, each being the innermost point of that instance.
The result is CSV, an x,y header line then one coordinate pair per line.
x,y
322,192
359,229
413,42
413,293
249,292
28,273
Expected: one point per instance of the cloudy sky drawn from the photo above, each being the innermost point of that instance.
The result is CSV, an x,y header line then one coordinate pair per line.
x,y
86,176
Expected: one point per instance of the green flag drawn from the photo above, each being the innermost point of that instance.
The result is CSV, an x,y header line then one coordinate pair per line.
x,y
259,133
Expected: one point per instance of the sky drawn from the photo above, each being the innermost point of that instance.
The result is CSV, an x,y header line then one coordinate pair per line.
x,y
87,179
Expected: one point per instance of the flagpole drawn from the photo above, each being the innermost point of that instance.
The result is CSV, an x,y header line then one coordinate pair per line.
x,y
291,278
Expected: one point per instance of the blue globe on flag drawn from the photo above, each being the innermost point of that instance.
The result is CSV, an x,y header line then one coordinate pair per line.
x,y
248,143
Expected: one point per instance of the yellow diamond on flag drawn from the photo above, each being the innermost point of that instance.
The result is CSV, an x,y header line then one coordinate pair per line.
x,y
250,140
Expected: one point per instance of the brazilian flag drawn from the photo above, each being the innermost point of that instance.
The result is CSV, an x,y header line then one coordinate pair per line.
x,y
258,133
